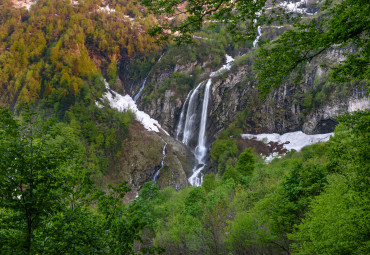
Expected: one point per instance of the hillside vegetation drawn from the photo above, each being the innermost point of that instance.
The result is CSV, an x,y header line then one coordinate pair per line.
x,y
311,202
63,156
314,201
53,58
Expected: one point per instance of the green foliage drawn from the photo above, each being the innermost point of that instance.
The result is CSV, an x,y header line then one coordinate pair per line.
x,y
55,49
295,205
224,152
233,174
179,82
245,163
35,165
221,146
246,235
194,202
209,182
336,25
47,196
349,153
337,222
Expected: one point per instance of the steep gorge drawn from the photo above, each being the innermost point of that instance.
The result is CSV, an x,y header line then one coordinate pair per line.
x,y
310,105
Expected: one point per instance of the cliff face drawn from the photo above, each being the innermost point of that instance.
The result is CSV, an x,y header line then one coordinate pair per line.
x,y
309,105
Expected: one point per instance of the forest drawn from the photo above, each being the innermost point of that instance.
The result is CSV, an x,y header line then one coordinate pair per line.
x,y
311,202
57,145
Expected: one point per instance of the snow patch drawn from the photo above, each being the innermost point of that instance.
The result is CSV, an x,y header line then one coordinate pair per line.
x,y
24,3
74,2
106,9
129,18
295,7
202,38
126,103
291,141
270,157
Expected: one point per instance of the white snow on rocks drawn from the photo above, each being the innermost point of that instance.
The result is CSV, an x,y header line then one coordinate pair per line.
x,y
226,67
202,38
126,103
24,3
106,9
293,140
74,2
296,7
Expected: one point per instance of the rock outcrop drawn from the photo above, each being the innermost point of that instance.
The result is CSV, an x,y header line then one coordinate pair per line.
x,y
142,156
288,108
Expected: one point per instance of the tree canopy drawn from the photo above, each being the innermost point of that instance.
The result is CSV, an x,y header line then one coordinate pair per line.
x,y
48,202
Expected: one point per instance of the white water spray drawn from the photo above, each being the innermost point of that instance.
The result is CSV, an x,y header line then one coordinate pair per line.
x,y
160,58
255,42
201,149
191,116
180,125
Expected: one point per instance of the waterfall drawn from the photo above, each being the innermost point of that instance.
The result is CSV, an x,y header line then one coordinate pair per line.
x,y
155,178
180,125
160,58
136,97
191,115
201,149
255,42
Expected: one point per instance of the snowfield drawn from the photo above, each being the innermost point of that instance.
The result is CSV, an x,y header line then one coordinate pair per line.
x,y
126,103
291,141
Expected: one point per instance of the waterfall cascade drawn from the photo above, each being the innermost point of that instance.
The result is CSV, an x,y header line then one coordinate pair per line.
x,y
180,125
201,150
136,97
191,115
155,178
255,42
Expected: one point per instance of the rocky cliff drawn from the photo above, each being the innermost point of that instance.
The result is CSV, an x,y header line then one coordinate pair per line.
x,y
309,105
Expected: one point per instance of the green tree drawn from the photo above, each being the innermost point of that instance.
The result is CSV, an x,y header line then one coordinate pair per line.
x,y
337,222
343,207
209,182
46,196
37,172
246,236
194,202
245,163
